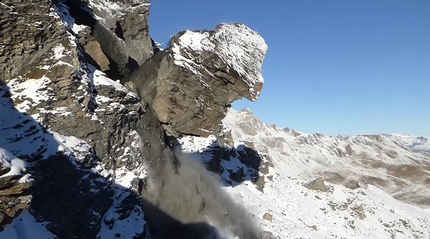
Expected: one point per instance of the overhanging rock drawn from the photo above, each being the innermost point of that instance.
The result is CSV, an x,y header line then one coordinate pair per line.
x,y
192,83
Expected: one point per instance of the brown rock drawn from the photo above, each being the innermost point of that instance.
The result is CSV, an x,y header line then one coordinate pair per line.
x,y
95,51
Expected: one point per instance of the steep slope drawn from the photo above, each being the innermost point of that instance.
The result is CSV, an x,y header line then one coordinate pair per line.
x,y
319,186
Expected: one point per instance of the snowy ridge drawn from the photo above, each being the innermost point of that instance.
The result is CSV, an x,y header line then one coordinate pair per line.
x,y
361,174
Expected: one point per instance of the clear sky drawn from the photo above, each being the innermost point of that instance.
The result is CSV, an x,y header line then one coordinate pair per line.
x,y
333,66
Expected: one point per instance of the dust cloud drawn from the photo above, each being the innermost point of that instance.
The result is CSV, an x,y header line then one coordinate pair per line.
x,y
184,200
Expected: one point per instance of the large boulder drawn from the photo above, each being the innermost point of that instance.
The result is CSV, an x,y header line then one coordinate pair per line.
x,y
191,84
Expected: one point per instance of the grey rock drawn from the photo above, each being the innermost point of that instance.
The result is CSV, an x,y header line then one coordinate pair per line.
x,y
14,198
60,185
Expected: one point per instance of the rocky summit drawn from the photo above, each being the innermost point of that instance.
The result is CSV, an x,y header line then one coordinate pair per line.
x,y
105,135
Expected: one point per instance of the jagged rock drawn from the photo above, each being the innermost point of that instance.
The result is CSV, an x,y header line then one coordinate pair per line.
x,y
191,84
95,51
52,83
83,124
66,81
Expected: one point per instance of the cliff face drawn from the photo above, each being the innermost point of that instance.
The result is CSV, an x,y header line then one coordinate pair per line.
x,y
86,106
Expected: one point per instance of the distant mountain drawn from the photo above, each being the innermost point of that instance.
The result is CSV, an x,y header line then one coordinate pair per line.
x,y
415,143
315,186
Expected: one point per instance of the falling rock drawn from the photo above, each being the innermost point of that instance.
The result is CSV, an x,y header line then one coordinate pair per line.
x,y
268,217
267,235
317,185
191,84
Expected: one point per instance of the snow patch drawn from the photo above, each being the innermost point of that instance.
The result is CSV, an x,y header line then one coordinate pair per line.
x,y
113,224
17,166
29,93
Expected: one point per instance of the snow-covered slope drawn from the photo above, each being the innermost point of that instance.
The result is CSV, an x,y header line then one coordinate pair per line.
x,y
362,174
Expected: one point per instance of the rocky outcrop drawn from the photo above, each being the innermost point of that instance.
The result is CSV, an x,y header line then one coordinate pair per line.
x,y
191,84
14,187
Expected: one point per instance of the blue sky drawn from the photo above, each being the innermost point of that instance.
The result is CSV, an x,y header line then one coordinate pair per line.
x,y
333,67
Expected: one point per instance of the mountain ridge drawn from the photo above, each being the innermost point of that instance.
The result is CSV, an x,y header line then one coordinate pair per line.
x,y
334,172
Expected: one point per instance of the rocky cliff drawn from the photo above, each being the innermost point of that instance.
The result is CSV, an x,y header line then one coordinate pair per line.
x,y
88,115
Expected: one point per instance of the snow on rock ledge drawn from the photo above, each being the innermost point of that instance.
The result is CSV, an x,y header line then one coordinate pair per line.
x,y
240,50
191,84
16,165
